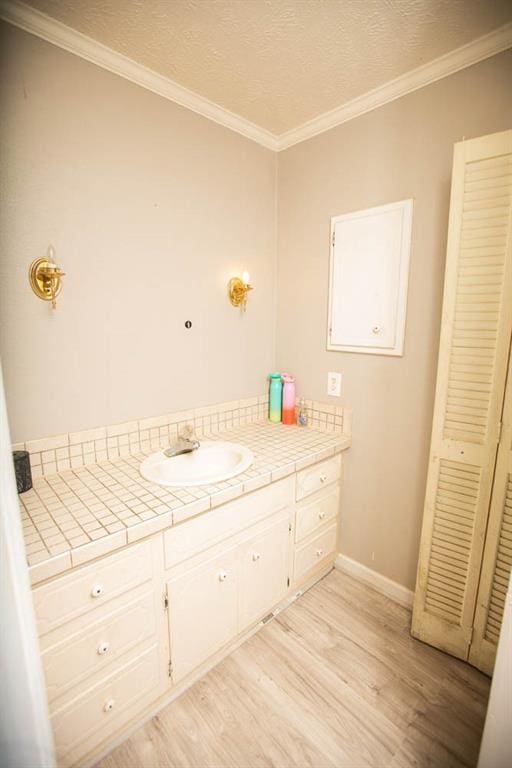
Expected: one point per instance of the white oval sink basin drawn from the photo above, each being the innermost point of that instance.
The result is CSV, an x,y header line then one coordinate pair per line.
x,y
212,462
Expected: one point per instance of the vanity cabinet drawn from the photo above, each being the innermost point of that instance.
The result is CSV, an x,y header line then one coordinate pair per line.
x,y
121,636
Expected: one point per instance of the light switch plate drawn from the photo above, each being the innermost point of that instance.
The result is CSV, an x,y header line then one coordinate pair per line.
x,y
334,384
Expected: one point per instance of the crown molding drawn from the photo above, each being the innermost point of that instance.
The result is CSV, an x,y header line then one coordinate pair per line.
x,y
53,31
482,48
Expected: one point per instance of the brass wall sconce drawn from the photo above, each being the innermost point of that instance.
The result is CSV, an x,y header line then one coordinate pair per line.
x,y
238,288
45,277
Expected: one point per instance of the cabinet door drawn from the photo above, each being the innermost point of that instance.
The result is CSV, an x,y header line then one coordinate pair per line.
x,y
202,611
264,572
472,369
368,279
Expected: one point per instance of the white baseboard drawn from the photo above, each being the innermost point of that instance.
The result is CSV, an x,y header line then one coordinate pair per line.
x,y
381,583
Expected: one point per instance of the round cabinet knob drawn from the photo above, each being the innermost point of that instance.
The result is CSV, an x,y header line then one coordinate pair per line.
x,y
319,552
323,478
103,648
223,576
97,590
256,556
376,329
108,705
321,515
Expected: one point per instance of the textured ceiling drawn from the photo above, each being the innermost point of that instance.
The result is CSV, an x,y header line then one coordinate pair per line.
x,y
280,63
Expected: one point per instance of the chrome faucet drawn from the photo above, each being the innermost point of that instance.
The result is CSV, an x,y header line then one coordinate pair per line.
x,y
186,443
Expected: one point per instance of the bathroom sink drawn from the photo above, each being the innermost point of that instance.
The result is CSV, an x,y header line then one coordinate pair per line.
x,y
212,462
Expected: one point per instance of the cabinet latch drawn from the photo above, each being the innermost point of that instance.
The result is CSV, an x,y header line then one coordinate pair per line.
x,y
166,602
170,668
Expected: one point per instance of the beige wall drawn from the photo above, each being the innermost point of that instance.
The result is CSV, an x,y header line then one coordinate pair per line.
x,y
401,150
151,209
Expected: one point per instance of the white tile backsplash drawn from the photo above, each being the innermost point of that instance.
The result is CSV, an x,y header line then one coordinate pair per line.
x,y
47,443
87,435
62,452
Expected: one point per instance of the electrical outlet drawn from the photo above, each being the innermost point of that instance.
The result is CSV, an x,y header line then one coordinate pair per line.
x,y
334,384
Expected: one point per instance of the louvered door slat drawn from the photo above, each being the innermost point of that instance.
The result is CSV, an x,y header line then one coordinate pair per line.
x,y
453,580
473,357
448,527
499,161
447,567
461,509
455,521
491,217
455,492
458,480
486,212
485,199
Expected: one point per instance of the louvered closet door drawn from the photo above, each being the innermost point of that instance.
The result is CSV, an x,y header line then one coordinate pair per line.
x,y
472,367
497,560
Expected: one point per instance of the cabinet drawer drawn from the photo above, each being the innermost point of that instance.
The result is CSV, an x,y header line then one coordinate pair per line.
x,y
93,650
195,535
313,478
88,719
315,512
70,596
202,611
317,551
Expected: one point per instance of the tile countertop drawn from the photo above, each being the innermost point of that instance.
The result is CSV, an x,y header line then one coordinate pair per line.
x,y
80,514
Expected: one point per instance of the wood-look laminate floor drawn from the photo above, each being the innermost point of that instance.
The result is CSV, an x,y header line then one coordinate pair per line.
x,y
334,681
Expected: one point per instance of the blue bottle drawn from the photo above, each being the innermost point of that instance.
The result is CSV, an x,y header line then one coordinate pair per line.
x,y
275,397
